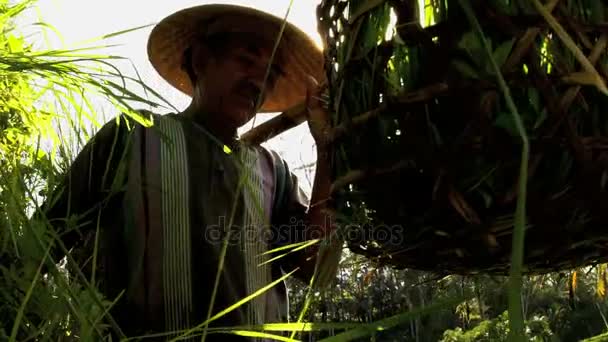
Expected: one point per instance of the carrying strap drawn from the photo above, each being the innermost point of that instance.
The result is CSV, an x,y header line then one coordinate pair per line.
x,y
282,187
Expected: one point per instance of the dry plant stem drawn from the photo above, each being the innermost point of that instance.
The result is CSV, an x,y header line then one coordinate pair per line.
x,y
407,97
581,36
564,104
526,41
571,45
354,176
515,275
596,53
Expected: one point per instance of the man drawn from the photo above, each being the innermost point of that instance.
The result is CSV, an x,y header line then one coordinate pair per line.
x,y
174,219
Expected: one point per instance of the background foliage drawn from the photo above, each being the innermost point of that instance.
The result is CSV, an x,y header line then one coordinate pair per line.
x,y
566,306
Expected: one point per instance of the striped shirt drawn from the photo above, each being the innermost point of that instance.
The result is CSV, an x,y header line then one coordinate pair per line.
x,y
170,200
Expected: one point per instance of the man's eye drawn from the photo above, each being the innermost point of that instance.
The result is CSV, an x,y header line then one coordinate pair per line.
x,y
244,60
277,71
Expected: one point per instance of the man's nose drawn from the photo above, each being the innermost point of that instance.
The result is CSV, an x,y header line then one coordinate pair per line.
x,y
258,72
258,55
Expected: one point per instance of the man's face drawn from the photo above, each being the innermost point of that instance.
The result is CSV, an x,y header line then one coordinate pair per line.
x,y
230,81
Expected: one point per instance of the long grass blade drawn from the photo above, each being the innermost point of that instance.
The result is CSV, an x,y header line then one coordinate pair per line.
x,y
26,298
393,321
204,326
594,76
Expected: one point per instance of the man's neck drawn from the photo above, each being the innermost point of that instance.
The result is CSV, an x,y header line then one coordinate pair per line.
x,y
213,123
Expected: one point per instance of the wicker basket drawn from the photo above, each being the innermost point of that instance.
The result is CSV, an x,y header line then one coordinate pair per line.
x,y
427,154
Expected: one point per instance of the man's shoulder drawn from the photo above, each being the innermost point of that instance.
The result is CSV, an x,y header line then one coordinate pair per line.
x,y
272,154
138,119
276,161
129,120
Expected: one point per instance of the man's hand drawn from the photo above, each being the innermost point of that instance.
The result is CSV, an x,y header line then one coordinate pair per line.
x,y
329,251
317,114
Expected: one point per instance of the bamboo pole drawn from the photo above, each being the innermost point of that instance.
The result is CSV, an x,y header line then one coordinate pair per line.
x,y
277,125
297,114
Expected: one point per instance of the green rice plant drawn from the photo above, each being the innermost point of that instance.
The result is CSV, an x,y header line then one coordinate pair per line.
x,y
47,98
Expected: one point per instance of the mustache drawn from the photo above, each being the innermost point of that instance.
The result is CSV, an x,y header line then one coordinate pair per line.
x,y
248,88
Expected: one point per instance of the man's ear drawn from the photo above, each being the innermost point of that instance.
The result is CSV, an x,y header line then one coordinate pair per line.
x,y
187,66
199,56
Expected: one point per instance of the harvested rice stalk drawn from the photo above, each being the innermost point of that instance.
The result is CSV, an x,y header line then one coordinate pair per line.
x,y
427,154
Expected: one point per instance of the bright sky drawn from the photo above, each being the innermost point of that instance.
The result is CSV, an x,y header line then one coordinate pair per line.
x,y
80,20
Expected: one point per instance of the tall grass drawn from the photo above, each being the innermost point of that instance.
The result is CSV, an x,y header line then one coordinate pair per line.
x,y
49,101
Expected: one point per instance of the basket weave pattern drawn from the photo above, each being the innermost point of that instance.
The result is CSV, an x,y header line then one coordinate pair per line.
x,y
426,153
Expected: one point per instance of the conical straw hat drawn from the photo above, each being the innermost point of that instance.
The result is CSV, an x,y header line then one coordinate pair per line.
x,y
177,32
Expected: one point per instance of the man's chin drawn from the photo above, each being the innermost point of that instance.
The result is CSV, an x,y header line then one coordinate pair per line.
x,y
239,118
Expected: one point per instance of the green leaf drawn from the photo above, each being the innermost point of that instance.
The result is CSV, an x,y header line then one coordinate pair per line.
x,y
465,69
487,198
113,34
472,45
597,12
525,7
503,7
505,121
534,98
542,116
502,52
599,338
259,335
362,9
238,304
15,44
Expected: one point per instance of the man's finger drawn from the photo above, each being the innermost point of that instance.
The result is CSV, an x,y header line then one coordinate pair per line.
x,y
311,93
311,84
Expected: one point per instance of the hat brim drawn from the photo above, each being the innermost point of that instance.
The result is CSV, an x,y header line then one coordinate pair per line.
x,y
175,33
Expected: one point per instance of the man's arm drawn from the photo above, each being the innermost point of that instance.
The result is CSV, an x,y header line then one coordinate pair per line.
x,y
318,219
